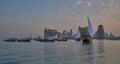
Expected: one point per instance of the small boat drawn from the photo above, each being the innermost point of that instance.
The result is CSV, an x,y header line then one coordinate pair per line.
x,y
37,39
21,40
87,38
77,36
10,40
59,39
24,40
77,39
42,39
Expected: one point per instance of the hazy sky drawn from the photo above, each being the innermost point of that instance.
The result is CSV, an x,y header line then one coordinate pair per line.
x,y
32,16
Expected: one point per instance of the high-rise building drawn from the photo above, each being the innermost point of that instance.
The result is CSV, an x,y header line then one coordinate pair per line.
x,y
111,35
71,34
100,32
106,35
49,32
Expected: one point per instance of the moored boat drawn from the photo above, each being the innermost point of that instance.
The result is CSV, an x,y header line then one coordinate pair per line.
x,y
87,33
56,38
77,39
77,36
44,39
19,40
61,39
10,40
24,40
87,39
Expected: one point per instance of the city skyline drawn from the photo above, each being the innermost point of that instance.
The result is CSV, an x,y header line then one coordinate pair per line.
x,y
31,17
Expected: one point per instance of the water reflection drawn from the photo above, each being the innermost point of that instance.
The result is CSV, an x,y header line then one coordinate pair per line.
x,y
100,57
87,54
70,52
74,53
92,53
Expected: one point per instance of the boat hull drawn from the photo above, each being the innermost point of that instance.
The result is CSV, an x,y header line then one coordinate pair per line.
x,y
23,40
87,39
79,39
10,40
61,40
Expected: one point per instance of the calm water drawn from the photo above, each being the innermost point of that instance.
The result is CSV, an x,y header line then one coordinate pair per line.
x,y
70,52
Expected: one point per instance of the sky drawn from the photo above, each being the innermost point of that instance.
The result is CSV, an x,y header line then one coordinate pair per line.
x,y
31,16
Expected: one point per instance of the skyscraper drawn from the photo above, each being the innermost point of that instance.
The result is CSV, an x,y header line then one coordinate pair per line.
x,y
71,34
100,32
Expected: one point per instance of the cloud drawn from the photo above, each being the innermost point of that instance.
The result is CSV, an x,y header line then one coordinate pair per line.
x,y
65,8
101,3
70,18
112,1
79,2
110,4
89,3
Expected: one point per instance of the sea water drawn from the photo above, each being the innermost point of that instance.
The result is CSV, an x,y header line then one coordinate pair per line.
x,y
58,52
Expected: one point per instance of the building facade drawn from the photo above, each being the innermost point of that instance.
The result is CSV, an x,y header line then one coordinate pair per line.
x,y
49,32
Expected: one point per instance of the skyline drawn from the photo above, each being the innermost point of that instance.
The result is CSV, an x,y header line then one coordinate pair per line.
x,y
31,17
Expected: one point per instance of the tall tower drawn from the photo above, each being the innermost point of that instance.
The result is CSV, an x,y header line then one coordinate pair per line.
x,y
100,32
71,33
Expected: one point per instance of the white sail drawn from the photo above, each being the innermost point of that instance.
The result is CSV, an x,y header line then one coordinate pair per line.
x,y
90,27
56,36
78,35
53,37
